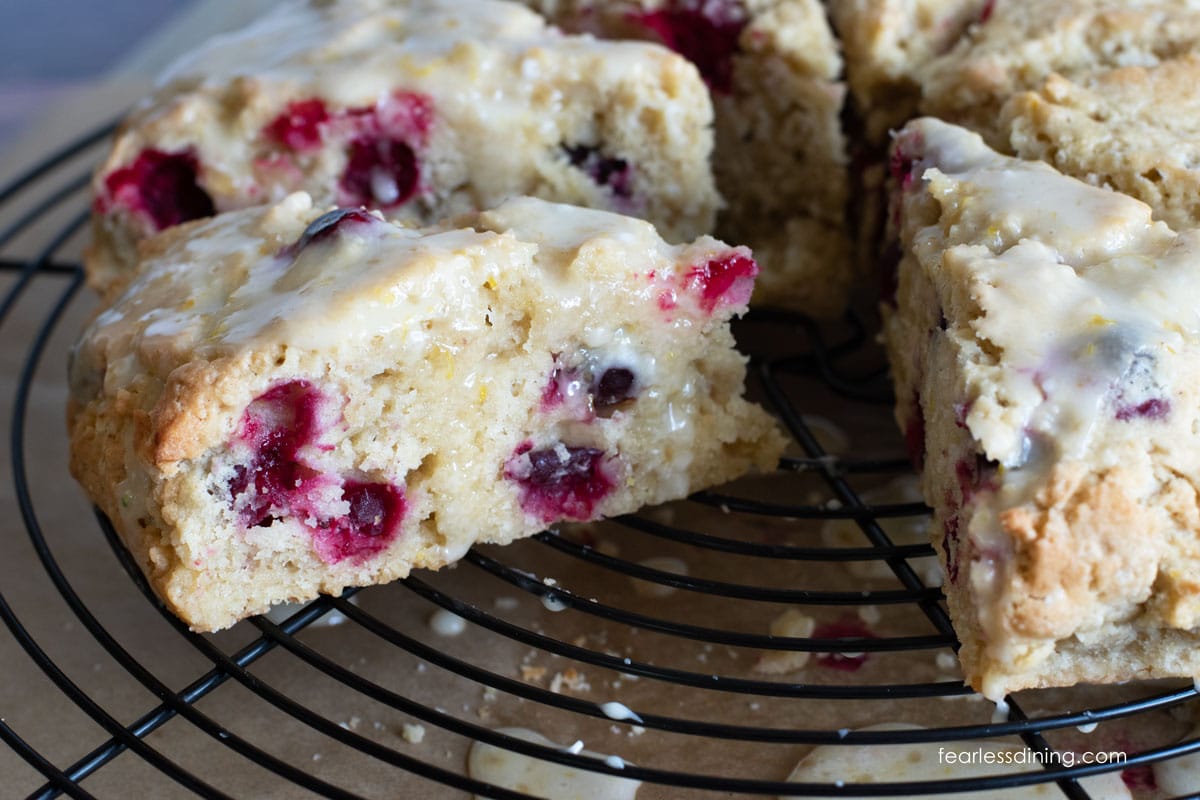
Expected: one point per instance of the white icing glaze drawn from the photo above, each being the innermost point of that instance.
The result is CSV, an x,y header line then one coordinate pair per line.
x,y
1099,277
929,761
543,778
279,614
554,603
671,564
346,48
619,712
1179,776
227,286
1074,324
446,623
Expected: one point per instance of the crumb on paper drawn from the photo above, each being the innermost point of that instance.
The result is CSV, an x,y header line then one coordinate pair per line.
x,y
870,614
446,623
532,674
489,694
794,625
668,564
570,678
506,603
413,734
607,547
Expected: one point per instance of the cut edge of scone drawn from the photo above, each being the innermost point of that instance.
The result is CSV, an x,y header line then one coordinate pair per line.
x,y
1065,526
285,403
774,70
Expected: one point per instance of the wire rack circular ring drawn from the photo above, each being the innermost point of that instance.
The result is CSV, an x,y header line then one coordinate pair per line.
x,y
691,644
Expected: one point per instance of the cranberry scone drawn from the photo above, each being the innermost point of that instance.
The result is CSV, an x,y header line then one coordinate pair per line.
x,y
1135,129
886,43
774,71
1079,84
286,402
1017,44
420,108
1046,352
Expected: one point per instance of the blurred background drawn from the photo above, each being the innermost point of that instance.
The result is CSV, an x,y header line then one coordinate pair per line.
x,y
50,48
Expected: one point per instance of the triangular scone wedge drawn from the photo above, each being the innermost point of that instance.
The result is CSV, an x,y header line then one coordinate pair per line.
x,y
286,402
1045,344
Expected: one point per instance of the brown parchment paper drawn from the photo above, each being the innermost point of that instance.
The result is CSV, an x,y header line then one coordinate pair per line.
x,y
48,720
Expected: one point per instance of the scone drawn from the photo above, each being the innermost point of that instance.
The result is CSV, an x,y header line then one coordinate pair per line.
x,y
1134,129
1100,90
886,43
421,108
774,70
1046,352
286,402
1020,43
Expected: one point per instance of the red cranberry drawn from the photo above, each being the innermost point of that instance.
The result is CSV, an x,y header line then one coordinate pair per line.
x,y
380,172
277,484
1137,394
327,225
902,168
950,543
588,393
914,433
975,475
989,8
407,116
382,169
845,628
1140,778
564,383
162,186
1154,409
723,281
298,127
604,171
277,425
376,510
560,482
961,412
615,386
706,32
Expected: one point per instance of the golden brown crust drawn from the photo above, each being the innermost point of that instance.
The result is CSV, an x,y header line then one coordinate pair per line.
x,y
1066,514
1134,129
1058,574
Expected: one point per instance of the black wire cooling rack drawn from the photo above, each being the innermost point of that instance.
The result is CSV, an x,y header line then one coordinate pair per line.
x,y
268,700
